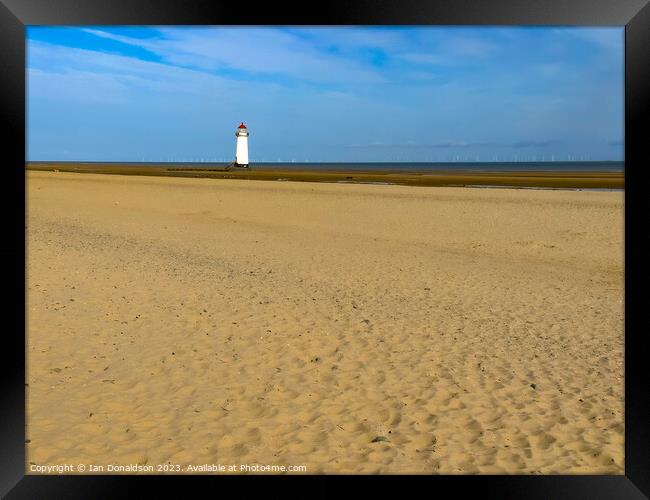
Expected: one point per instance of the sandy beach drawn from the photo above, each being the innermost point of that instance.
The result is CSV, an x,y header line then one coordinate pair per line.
x,y
346,328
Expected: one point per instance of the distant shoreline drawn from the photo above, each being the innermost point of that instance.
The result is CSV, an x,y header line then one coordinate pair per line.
x,y
456,176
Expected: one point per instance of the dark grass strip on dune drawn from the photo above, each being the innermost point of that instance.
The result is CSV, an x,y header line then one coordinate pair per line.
x,y
522,179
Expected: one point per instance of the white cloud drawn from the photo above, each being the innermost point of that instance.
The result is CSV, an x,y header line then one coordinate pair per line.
x,y
423,58
69,72
454,51
254,50
354,38
549,69
65,74
74,85
469,46
606,38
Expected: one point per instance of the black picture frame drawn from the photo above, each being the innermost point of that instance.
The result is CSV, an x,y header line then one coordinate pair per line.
x,y
633,14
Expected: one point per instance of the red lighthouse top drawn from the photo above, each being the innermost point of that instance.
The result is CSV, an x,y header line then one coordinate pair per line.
x,y
242,125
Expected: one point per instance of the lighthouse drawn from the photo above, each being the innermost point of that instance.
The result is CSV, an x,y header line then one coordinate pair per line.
x,y
241,153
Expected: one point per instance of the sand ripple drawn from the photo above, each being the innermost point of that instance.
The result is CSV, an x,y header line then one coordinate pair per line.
x,y
346,328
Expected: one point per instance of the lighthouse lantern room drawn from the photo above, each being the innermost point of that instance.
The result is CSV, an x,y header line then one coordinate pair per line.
x,y
241,153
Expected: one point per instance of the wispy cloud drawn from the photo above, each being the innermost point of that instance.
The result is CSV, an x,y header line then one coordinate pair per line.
x,y
459,144
347,38
428,91
469,46
605,38
75,72
536,144
252,50
549,69
75,85
424,58
433,145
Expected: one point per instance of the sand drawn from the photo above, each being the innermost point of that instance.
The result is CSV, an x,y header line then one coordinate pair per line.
x,y
345,328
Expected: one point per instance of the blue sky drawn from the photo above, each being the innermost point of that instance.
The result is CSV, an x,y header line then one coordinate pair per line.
x,y
106,93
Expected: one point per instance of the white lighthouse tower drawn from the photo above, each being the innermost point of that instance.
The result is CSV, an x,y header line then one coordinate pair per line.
x,y
241,153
